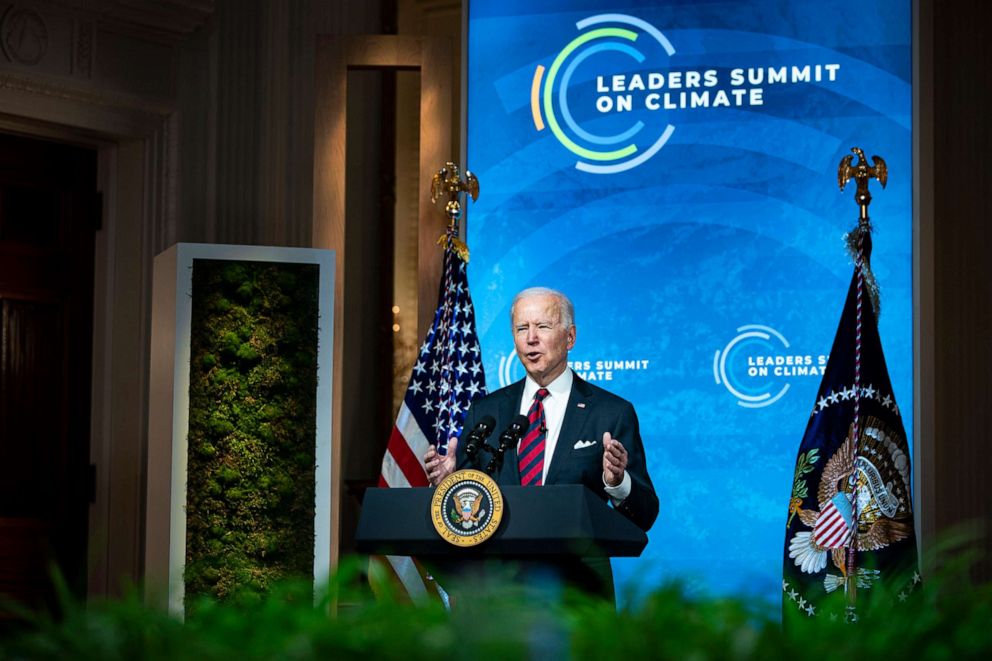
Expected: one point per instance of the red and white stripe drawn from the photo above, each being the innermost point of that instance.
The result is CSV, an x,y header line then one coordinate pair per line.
x,y
831,530
403,464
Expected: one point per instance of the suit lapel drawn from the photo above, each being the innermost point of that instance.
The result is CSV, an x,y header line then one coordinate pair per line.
x,y
572,426
508,410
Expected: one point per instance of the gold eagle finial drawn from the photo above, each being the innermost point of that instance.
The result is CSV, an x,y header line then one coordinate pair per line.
x,y
447,181
861,172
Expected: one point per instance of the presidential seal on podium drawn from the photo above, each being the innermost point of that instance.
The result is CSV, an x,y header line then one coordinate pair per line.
x,y
467,508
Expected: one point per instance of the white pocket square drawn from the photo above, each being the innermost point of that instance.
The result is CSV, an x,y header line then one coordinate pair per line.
x,y
583,444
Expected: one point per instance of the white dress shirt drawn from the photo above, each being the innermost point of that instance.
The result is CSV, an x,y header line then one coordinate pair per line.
x,y
554,414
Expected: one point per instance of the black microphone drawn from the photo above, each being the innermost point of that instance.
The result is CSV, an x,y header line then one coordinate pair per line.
x,y
478,435
510,437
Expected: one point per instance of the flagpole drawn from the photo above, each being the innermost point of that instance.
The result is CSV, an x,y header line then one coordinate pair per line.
x,y
862,173
447,376
447,180
855,507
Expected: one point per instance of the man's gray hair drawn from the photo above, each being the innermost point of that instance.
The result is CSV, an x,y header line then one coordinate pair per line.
x,y
566,311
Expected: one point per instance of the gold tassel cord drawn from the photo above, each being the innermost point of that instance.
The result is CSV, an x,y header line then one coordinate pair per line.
x,y
459,246
862,172
871,284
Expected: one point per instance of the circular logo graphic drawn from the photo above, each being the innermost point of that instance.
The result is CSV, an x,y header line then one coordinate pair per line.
x,y
467,508
602,130
762,391
509,369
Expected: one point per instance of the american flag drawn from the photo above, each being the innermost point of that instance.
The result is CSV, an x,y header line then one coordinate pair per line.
x,y
447,376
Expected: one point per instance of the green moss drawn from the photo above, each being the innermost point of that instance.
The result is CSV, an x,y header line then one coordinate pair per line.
x,y
219,378
226,474
265,432
245,290
231,273
269,412
230,343
253,366
247,354
219,426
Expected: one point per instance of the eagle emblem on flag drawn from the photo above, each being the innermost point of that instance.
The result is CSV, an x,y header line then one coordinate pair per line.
x,y
881,493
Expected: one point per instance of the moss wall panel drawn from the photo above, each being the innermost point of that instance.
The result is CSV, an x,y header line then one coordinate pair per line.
x,y
252,419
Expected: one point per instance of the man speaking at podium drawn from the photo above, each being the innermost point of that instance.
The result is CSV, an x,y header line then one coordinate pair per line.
x,y
579,433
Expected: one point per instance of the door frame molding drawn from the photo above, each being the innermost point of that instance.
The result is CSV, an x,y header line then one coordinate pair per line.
x,y
335,56
136,143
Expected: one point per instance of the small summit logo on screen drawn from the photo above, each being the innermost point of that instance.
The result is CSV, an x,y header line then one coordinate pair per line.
x,y
758,365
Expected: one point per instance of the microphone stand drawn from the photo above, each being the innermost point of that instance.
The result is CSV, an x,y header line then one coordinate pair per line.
x,y
508,438
476,437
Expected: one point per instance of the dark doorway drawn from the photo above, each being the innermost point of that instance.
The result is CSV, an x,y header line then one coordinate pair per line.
x,y
367,367
49,213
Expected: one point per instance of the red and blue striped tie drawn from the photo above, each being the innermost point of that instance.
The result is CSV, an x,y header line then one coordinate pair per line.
x,y
531,453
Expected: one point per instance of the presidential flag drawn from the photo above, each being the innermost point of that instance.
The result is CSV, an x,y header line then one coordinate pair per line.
x,y
849,533
446,377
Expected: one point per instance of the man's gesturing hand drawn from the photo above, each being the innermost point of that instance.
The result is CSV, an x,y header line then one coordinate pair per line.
x,y
439,467
614,460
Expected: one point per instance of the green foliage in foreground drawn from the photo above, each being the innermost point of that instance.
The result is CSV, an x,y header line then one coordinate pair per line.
x,y
946,619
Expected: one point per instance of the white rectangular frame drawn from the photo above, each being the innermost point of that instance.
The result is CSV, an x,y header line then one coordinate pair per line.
x,y
168,420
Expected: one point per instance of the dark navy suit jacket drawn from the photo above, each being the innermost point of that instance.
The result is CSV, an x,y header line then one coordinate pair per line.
x,y
590,412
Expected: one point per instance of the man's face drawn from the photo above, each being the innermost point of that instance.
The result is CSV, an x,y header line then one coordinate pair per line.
x,y
541,341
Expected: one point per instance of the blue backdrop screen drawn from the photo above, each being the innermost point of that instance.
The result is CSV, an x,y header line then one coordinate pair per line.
x,y
672,167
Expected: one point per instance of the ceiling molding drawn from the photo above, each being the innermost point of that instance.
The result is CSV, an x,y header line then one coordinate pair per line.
x,y
168,21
